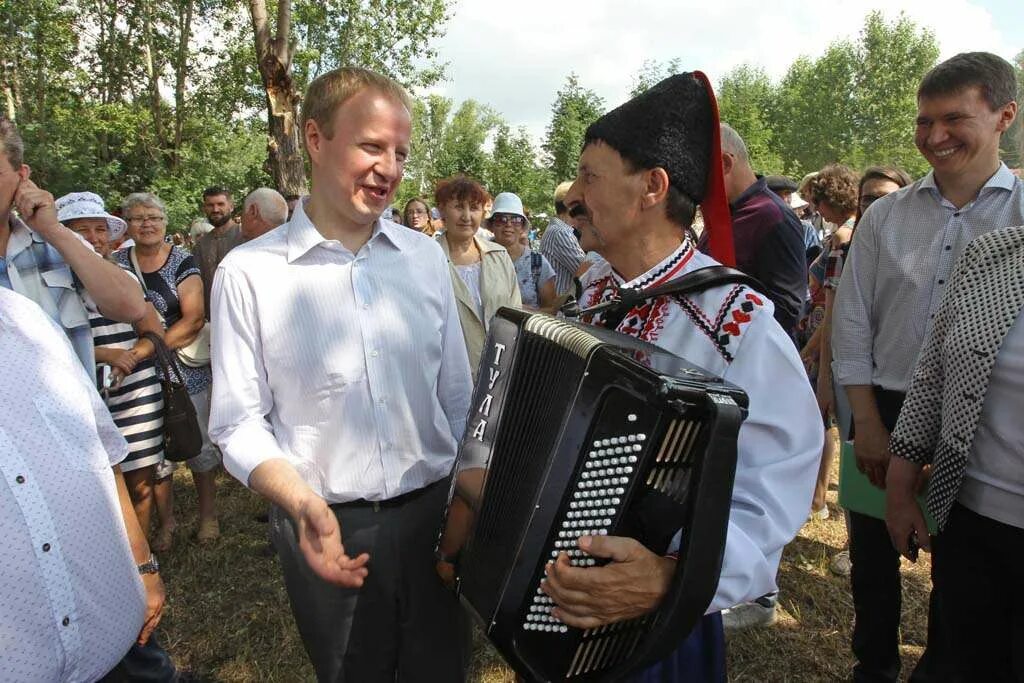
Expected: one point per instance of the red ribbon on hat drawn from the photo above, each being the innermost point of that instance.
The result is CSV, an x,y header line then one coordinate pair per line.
x,y
715,207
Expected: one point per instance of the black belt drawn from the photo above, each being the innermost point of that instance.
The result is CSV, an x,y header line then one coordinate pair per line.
x,y
397,501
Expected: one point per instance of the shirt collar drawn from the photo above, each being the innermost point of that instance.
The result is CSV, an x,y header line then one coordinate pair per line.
x,y
1002,179
669,268
303,235
21,237
759,185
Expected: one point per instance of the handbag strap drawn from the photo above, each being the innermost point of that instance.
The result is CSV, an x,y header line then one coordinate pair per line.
x,y
168,363
137,269
693,282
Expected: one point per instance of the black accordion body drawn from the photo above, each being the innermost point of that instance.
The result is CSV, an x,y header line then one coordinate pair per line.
x,y
576,430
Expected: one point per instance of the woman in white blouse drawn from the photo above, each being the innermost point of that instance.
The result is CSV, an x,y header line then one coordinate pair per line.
x,y
483,275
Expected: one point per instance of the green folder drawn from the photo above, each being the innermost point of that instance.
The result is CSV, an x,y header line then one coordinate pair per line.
x,y
856,492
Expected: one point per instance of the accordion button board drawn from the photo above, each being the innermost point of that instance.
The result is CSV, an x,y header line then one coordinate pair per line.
x,y
573,432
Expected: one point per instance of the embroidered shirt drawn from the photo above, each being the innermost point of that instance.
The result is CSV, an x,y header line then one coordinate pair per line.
x,y
730,331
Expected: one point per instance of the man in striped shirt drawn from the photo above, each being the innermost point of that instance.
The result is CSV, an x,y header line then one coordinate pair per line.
x,y
560,246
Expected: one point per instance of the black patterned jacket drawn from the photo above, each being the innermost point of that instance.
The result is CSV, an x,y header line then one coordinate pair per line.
x,y
944,402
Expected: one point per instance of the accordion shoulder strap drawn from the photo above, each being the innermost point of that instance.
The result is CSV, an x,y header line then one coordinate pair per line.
x,y
693,282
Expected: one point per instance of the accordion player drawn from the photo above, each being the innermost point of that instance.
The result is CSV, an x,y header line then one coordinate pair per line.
x,y
575,430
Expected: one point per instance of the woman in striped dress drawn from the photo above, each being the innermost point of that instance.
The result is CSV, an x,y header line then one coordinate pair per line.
x,y
125,371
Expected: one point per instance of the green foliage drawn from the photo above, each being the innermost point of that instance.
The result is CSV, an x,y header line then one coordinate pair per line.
x,y
653,72
574,109
891,61
513,167
394,37
1012,144
745,99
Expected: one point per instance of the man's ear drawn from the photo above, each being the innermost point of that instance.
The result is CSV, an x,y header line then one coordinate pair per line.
x,y
656,185
25,171
728,161
1006,116
314,139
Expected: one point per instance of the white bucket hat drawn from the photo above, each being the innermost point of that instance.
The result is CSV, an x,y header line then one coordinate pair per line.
x,y
796,201
88,205
508,202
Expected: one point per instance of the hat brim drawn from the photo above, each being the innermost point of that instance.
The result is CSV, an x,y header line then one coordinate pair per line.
x,y
116,227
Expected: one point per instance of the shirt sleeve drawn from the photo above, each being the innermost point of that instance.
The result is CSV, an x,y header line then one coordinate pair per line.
x,y
779,448
852,335
185,269
241,395
455,384
546,271
563,249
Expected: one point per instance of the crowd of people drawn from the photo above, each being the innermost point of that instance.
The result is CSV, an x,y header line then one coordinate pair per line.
x,y
329,343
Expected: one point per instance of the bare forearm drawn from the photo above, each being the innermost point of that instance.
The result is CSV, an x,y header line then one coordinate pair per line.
x,y
863,404
136,538
279,482
149,323
183,332
116,294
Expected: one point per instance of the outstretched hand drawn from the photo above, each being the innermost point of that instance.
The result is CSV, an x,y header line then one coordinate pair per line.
x,y
320,543
632,584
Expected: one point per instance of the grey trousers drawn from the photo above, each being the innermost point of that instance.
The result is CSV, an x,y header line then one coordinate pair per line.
x,y
402,624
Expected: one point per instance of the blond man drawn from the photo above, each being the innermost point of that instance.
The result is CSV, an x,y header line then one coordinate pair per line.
x,y
341,387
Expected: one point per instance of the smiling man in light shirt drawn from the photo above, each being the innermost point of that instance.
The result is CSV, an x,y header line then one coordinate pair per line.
x,y
341,388
901,258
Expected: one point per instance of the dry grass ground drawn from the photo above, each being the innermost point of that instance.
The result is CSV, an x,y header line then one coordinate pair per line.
x,y
227,615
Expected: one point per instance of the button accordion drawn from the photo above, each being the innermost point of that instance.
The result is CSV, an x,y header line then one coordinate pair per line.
x,y
577,430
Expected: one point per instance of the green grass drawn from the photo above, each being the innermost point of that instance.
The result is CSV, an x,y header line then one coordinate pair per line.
x,y
227,616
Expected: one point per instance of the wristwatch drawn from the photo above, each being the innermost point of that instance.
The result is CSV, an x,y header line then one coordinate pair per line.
x,y
151,566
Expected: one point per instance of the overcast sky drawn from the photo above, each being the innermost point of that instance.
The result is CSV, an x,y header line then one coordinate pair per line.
x,y
515,55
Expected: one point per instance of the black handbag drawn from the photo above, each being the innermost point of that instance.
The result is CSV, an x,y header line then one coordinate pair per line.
x,y
182,438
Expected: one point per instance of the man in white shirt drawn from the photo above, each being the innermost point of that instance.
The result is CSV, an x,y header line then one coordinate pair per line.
x,y
71,599
341,388
901,258
644,168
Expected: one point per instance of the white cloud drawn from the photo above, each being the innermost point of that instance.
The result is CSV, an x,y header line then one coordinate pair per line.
x,y
514,56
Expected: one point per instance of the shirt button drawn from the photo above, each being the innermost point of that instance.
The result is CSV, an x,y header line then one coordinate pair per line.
x,y
948,247
380,401
366,306
46,547
942,282
65,621
20,479
374,353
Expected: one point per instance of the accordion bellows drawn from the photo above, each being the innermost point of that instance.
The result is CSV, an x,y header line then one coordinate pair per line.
x,y
574,431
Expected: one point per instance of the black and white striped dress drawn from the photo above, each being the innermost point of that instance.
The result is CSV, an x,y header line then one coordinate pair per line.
x,y
137,405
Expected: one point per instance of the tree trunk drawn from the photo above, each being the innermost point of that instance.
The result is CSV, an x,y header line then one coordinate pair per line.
x,y
274,58
181,72
152,78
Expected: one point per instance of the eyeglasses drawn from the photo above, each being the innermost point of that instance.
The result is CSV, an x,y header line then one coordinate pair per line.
x,y
417,212
867,200
507,219
139,220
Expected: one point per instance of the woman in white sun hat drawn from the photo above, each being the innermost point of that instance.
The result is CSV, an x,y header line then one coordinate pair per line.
x,y
125,372
536,277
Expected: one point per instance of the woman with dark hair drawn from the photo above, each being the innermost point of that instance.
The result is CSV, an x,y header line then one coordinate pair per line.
x,y
483,275
417,216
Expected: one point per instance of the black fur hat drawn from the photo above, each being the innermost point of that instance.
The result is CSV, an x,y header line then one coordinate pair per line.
x,y
669,126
